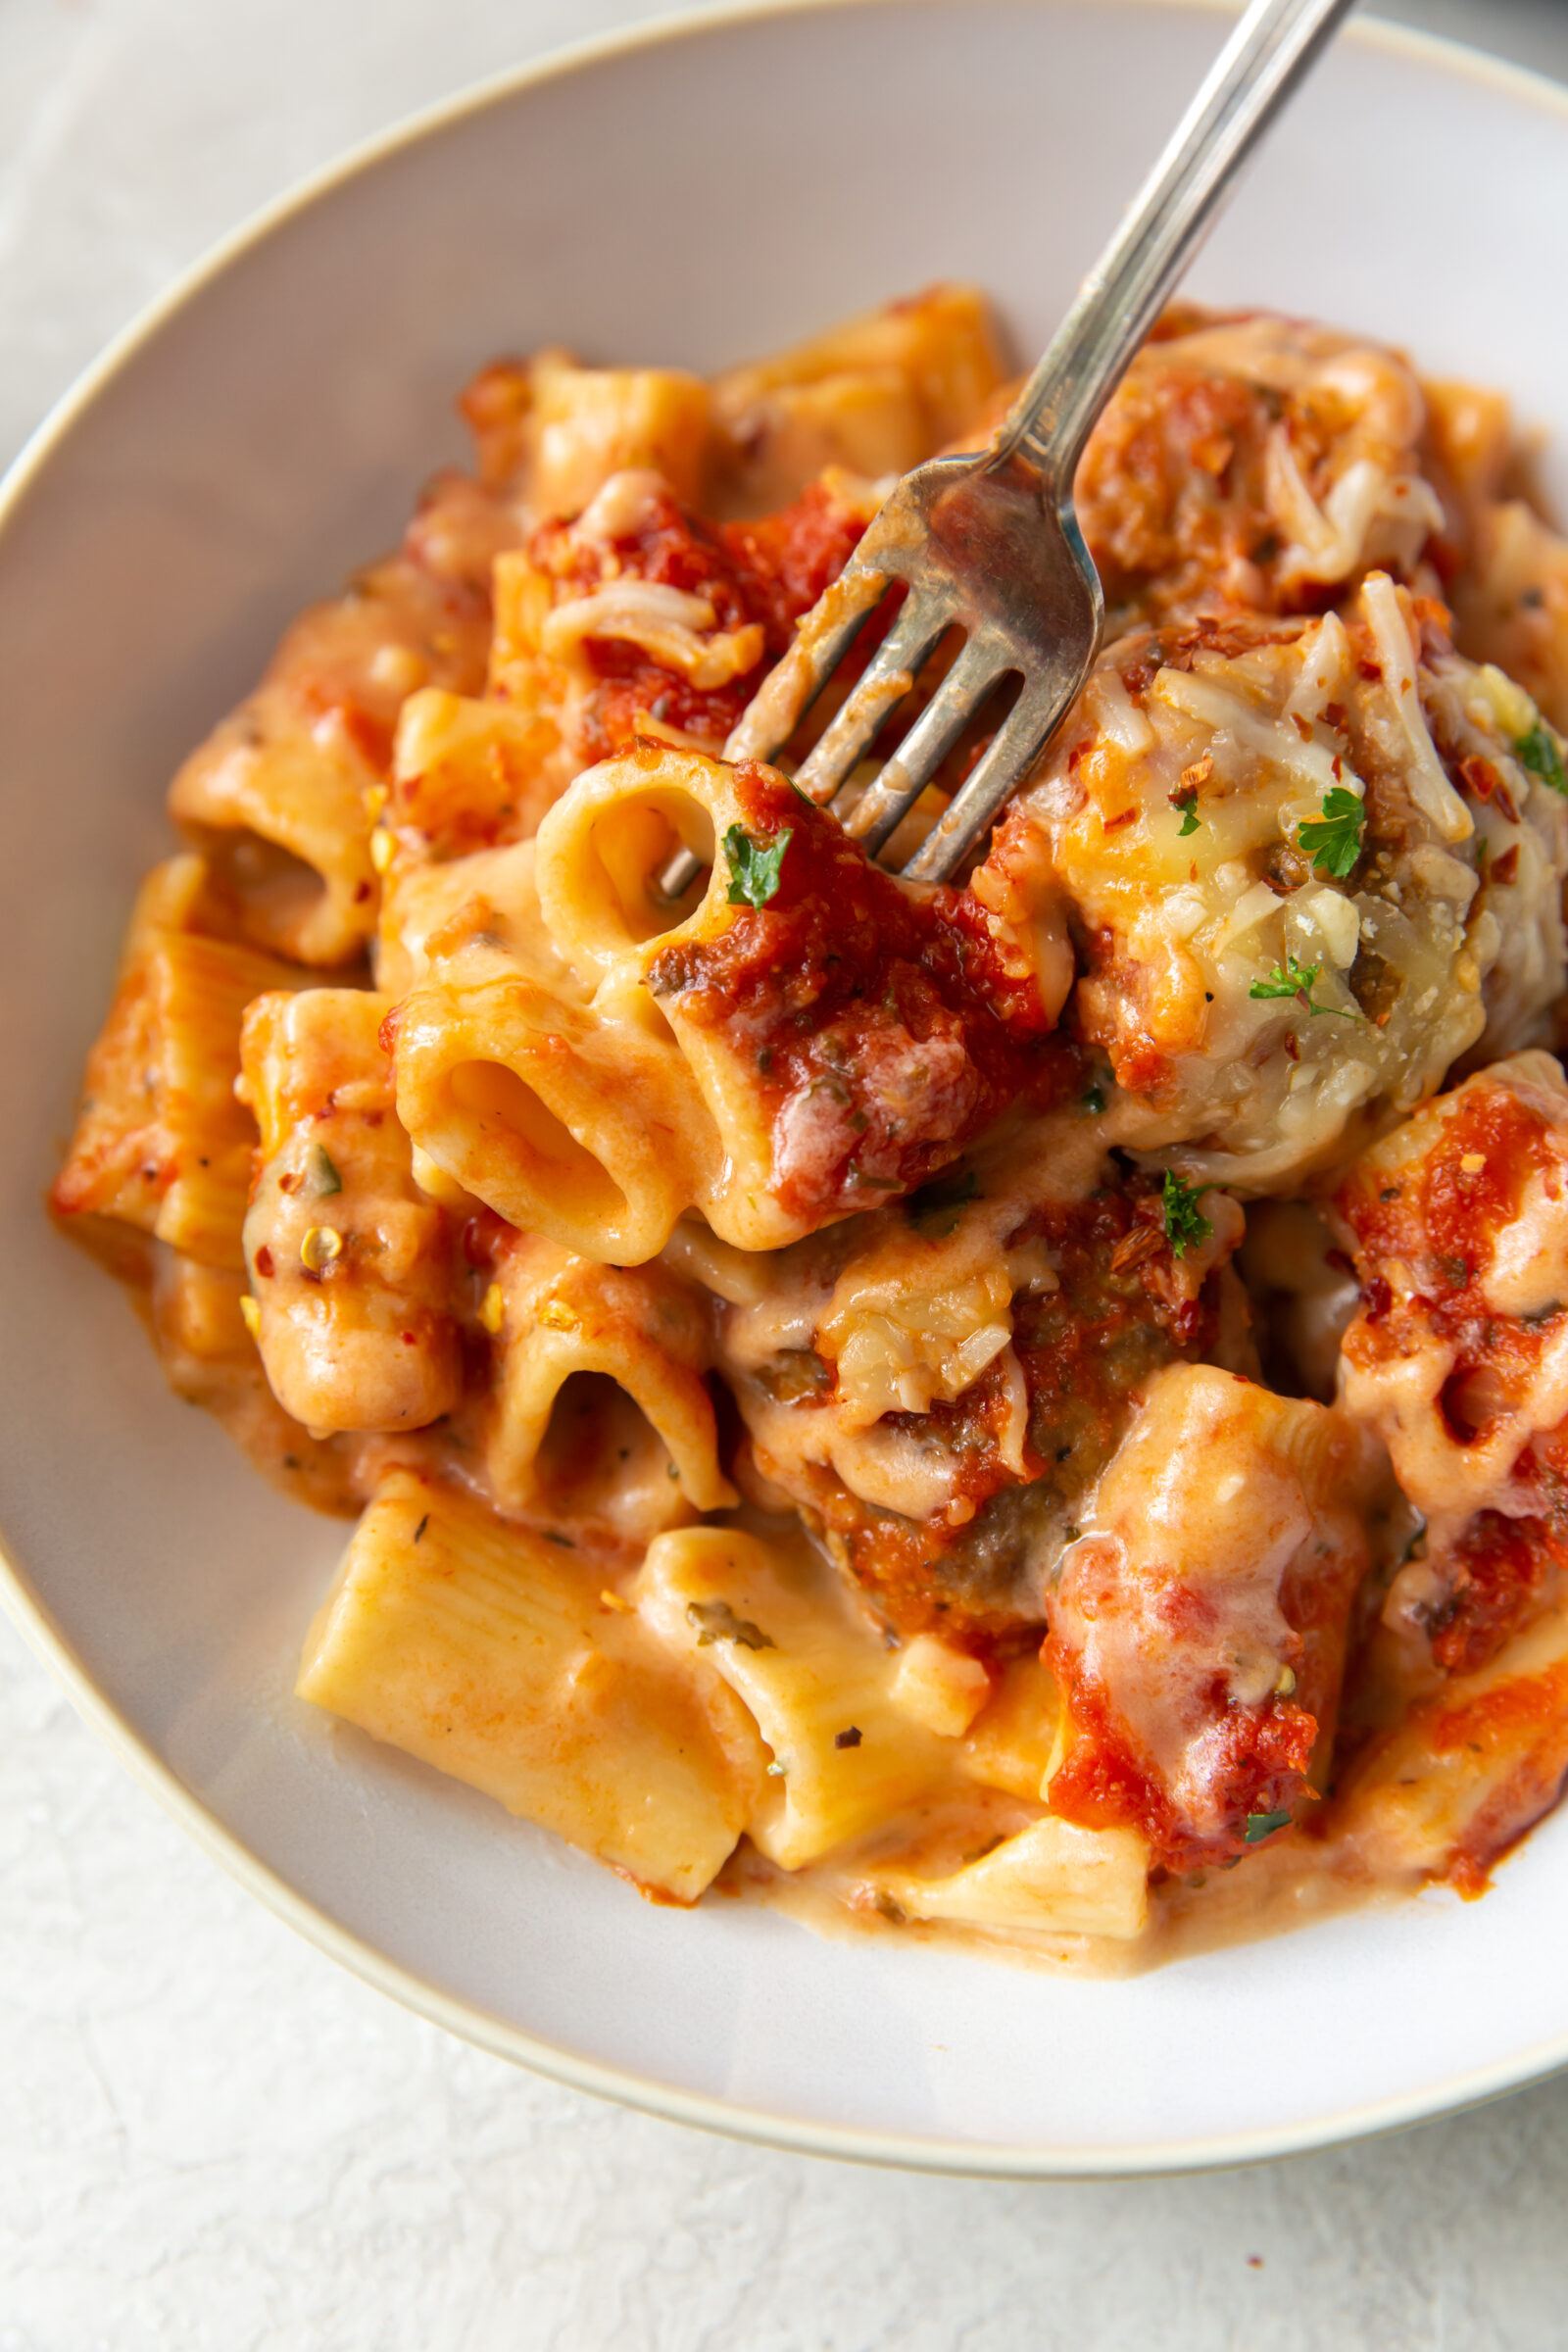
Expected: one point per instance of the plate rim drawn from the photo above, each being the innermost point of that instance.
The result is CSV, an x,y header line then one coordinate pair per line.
x,y
26,1609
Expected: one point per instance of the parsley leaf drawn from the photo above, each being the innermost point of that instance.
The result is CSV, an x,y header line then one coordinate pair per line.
x,y
1263,1825
1187,803
1335,838
1540,753
1298,980
1295,980
716,1621
1185,1223
755,867
1094,1099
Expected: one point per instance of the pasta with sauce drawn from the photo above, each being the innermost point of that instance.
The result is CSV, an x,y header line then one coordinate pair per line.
x,y
1033,1409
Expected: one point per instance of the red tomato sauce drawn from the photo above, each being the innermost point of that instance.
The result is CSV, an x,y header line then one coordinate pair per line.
x,y
888,1021
771,572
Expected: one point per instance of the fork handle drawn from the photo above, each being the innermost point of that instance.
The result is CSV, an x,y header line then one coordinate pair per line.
x,y
1274,47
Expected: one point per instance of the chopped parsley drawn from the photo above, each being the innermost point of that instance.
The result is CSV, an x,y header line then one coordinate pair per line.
x,y
1335,838
1187,803
1263,1825
1185,1223
1094,1100
716,1621
1538,750
1298,980
755,867
323,1170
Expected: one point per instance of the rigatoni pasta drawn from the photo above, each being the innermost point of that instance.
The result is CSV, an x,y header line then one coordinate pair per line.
x,y
1030,1411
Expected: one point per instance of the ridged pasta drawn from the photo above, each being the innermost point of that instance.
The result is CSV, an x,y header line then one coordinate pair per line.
x,y
903,1065
876,394
350,1264
488,1651
1446,1794
1050,1879
1198,1627
467,774
551,431
560,1319
814,1677
161,1142
1017,1739
579,1123
278,796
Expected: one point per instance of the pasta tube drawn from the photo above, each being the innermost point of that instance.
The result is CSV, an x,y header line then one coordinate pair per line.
x,y
488,1653
277,795
1052,1877
876,394
161,1143
578,1122
550,432
348,1262
1198,1625
1450,1790
563,1320
824,1013
814,1676
467,774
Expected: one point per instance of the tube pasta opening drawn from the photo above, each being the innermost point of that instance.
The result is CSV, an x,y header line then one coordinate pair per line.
x,y
601,1405
280,810
605,844
350,1264
487,1652
562,1123
499,1099
280,899
599,853
602,1457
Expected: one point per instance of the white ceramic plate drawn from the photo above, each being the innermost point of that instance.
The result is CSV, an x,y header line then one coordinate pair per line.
x,y
694,196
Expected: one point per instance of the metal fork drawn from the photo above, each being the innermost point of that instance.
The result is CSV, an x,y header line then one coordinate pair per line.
x,y
990,544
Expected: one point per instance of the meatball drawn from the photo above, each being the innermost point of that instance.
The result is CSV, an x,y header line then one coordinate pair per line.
x,y
1304,865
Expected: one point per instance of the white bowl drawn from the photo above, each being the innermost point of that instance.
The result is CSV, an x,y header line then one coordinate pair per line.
x,y
694,195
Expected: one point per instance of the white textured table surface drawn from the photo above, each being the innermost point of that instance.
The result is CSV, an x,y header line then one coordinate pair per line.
x,y
210,2138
